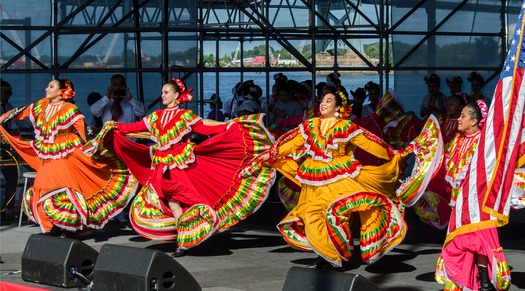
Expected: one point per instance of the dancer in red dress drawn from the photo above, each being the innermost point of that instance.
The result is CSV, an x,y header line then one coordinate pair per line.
x,y
192,191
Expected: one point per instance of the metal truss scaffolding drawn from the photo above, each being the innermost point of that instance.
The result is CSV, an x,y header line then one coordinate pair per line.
x,y
202,40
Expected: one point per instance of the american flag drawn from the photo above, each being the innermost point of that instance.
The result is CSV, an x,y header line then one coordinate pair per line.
x,y
490,177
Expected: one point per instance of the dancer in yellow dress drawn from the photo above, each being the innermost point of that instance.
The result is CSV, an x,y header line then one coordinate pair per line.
x,y
318,156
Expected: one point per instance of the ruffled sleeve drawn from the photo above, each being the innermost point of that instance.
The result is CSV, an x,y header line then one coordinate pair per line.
x,y
126,128
379,150
201,128
291,146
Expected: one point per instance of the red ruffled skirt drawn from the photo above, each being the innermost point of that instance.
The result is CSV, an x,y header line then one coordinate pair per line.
x,y
219,189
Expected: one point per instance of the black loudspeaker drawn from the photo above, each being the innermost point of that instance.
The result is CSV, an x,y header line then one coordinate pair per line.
x,y
134,269
58,261
322,280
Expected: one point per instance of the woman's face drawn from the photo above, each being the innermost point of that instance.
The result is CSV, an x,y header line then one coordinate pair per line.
x,y
284,96
454,107
373,94
169,96
52,90
465,121
328,105
455,87
433,87
475,86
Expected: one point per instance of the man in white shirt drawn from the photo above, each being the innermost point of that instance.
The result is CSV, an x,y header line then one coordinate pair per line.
x,y
117,104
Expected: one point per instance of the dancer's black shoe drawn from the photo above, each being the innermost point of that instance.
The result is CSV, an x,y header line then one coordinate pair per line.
x,y
318,263
55,231
484,281
322,264
179,252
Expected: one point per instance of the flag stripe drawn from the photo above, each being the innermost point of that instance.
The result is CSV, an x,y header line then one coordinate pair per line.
x,y
484,199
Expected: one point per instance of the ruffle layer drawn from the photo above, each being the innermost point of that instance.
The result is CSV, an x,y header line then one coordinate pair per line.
x,y
428,210
244,191
64,119
174,131
288,192
383,227
72,210
380,232
428,149
320,147
500,276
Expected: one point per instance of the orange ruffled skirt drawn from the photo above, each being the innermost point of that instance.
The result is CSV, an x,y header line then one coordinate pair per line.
x,y
76,191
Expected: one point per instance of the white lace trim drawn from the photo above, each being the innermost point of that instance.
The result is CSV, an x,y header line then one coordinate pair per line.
x,y
332,146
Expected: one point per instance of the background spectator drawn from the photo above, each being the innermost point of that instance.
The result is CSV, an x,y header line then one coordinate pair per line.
x,y
215,104
435,101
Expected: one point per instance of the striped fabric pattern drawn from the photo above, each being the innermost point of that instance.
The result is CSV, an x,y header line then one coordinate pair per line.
x,y
501,274
390,107
288,192
249,189
427,210
164,137
383,231
150,218
47,131
71,210
490,178
428,149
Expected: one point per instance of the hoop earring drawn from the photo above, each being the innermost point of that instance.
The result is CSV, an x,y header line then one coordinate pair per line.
x,y
336,114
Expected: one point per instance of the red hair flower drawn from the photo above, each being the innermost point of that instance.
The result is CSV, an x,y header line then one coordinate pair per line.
x,y
185,94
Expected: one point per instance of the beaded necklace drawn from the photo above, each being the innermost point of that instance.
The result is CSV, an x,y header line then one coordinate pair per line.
x,y
325,125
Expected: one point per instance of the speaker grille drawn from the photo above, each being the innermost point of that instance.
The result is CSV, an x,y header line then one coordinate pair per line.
x,y
134,269
51,260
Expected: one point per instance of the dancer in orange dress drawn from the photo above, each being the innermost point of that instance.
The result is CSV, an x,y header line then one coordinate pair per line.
x,y
71,191
179,199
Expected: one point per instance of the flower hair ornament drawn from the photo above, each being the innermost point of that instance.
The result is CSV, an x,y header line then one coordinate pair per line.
x,y
67,92
185,93
484,112
345,110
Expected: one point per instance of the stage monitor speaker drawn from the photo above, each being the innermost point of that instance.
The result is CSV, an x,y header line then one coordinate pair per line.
x,y
322,280
134,269
58,261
